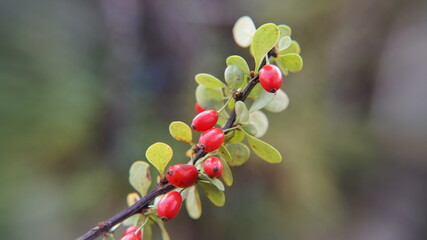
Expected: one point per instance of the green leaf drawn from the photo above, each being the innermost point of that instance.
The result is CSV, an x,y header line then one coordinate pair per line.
x,y
181,131
147,232
132,198
284,43
208,80
260,122
293,48
285,30
264,150
279,103
240,154
256,91
133,220
282,67
210,98
234,76
242,113
261,101
164,232
239,62
292,61
237,136
159,155
193,203
139,176
265,38
227,175
214,181
243,31
216,196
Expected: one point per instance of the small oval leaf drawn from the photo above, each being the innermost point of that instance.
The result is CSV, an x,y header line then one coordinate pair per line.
x,y
279,103
242,113
216,196
239,62
210,98
260,122
193,203
132,198
240,154
181,131
264,150
293,48
292,61
159,155
227,175
284,43
139,176
164,232
261,101
233,76
208,80
132,220
265,38
238,136
285,30
243,31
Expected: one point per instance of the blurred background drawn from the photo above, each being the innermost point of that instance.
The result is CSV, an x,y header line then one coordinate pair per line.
x,y
87,86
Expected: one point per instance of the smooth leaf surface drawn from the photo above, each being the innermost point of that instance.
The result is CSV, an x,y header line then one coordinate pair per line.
x,y
163,231
181,131
133,220
279,103
210,98
239,152
233,77
139,176
242,113
293,48
208,80
265,38
147,232
260,122
292,61
132,198
216,196
264,150
193,203
159,155
256,91
238,136
243,31
239,62
261,101
227,175
285,30
284,43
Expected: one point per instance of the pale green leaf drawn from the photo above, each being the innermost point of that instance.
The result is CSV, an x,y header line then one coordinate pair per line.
x,y
214,181
159,155
240,154
293,48
181,131
208,80
242,113
216,196
146,231
292,61
227,175
163,231
239,62
265,38
256,91
261,101
133,220
279,103
285,30
243,31
264,150
193,203
210,98
132,198
233,77
139,176
260,122
237,136
282,67
284,43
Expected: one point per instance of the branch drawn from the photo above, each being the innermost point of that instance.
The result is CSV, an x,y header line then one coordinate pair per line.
x,y
164,187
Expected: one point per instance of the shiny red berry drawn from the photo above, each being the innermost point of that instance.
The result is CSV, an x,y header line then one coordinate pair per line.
x,y
211,140
169,205
199,108
205,120
132,236
131,230
213,167
182,175
270,78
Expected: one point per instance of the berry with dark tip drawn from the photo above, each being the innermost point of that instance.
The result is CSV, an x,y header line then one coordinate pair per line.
x,y
205,120
169,205
211,140
270,78
182,175
213,167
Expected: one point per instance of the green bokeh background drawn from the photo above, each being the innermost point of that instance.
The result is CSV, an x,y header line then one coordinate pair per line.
x,y
87,86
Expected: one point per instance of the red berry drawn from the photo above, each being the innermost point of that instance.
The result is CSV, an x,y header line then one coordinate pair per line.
x,y
205,120
131,230
211,140
132,236
182,175
199,108
169,205
270,78
213,167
